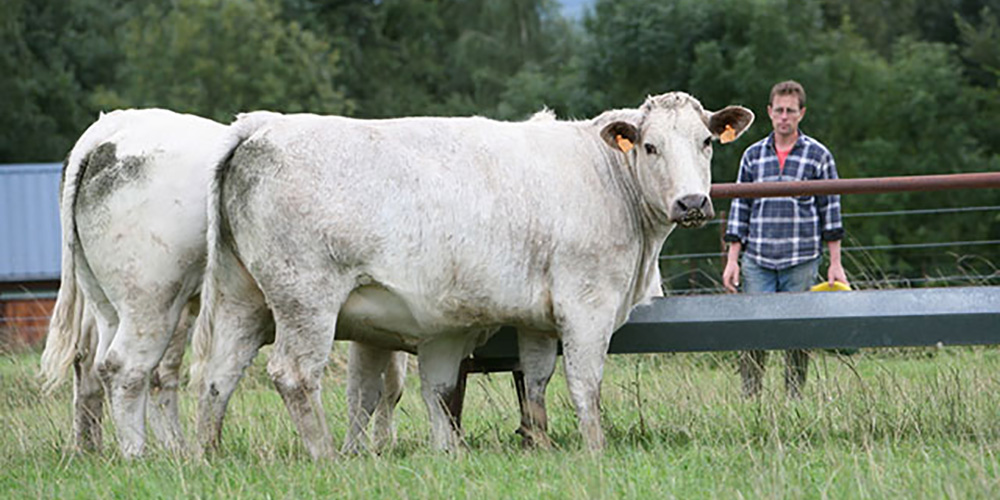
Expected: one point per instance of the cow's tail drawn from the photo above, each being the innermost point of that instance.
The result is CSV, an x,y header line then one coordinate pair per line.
x,y
203,337
65,337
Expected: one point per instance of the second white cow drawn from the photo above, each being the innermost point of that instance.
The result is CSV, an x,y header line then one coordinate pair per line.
x,y
133,250
133,213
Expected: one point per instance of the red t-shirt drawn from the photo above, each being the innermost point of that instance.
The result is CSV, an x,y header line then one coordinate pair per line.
x,y
781,157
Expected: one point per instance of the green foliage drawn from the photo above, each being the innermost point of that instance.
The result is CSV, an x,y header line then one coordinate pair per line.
x,y
896,87
980,47
51,52
880,22
220,57
454,57
642,48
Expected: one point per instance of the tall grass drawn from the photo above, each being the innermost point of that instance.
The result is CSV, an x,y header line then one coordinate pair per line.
x,y
917,423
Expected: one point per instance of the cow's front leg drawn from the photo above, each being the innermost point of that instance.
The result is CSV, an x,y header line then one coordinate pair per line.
x,y
584,351
538,360
439,361
393,379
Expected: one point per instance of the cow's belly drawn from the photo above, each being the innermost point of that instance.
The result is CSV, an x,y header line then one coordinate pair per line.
x,y
377,316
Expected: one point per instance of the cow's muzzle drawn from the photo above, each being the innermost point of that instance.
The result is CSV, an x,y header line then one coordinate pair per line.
x,y
692,210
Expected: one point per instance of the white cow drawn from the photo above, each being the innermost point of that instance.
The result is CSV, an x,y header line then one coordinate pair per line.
x,y
453,227
133,211
133,217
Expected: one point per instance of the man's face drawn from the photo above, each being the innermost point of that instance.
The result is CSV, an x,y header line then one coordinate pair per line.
x,y
785,114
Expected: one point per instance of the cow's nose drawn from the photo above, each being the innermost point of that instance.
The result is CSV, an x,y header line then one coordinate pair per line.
x,y
693,210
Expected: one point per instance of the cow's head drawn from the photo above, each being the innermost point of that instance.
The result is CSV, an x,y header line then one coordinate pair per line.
x,y
669,143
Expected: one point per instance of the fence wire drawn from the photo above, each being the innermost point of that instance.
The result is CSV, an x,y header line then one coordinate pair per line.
x,y
693,276
892,213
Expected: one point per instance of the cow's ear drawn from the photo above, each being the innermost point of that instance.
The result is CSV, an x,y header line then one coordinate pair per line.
x,y
729,123
620,135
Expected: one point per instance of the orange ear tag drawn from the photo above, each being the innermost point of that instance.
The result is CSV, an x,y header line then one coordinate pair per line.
x,y
728,135
624,144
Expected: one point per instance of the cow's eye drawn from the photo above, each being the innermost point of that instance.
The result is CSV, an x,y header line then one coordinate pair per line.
x,y
708,141
650,149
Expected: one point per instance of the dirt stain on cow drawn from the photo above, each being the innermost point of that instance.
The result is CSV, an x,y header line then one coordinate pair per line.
x,y
236,179
103,173
240,175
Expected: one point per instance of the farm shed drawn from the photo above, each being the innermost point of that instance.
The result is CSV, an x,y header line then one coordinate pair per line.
x,y
29,250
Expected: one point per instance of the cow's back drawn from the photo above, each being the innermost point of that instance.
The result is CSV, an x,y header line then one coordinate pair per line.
x,y
465,221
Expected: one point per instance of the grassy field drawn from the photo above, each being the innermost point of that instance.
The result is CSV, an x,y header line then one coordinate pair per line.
x,y
879,424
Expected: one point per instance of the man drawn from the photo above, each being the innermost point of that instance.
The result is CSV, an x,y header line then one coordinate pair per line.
x,y
780,237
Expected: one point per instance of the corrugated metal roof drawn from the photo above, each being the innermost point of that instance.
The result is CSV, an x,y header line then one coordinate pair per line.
x,y
29,222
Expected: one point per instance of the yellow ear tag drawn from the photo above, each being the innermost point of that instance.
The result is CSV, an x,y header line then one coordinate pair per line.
x,y
624,144
728,135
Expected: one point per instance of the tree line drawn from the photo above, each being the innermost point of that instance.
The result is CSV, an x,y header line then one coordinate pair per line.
x,y
895,87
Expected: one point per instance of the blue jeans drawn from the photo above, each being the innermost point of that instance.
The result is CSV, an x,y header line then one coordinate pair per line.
x,y
798,278
758,279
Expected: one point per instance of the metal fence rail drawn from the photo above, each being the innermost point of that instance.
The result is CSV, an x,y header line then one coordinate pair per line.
x,y
873,185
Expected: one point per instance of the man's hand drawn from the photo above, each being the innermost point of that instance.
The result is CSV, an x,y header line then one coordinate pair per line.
x,y
731,276
836,270
836,273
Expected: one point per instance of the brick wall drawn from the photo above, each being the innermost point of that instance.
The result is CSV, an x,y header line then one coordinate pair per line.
x,y
23,323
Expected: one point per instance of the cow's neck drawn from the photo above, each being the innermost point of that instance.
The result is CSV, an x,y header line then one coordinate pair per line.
x,y
649,261
647,225
648,220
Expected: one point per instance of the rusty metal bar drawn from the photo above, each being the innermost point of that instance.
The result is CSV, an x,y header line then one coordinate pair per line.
x,y
943,182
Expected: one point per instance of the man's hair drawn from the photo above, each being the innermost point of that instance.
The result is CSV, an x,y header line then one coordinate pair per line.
x,y
788,87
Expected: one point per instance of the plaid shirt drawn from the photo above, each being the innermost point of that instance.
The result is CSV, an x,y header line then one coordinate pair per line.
x,y
778,233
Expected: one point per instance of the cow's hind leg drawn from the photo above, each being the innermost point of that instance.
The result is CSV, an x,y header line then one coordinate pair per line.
x,y
439,361
538,361
98,325
88,393
125,371
240,324
366,365
305,315
163,413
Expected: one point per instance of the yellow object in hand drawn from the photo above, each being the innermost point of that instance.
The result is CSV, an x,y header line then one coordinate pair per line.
x,y
825,287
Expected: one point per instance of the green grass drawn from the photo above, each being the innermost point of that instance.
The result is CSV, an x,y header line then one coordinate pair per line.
x,y
919,423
